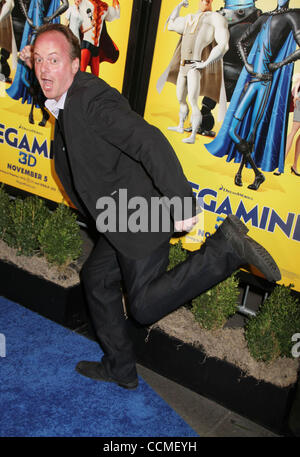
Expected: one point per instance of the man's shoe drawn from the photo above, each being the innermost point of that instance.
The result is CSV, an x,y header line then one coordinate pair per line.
x,y
251,252
96,370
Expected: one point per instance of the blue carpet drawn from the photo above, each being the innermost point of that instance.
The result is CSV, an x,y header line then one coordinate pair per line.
x,y
43,396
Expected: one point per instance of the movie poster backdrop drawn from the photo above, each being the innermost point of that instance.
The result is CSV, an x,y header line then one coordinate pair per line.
x,y
272,212
25,145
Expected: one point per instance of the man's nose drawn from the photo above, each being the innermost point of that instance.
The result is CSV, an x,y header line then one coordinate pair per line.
x,y
44,66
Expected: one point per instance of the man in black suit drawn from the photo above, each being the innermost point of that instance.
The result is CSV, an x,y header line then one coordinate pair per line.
x,y
103,148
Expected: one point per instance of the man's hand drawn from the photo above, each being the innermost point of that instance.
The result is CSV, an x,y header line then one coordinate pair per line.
x,y
198,65
27,56
186,225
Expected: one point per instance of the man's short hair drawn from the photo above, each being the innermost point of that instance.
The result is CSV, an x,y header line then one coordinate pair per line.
x,y
66,31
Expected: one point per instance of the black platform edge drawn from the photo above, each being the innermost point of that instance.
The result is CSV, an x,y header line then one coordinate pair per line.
x,y
220,381
64,306
266,404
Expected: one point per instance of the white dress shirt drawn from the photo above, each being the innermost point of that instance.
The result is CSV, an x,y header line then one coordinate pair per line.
x,y
53,106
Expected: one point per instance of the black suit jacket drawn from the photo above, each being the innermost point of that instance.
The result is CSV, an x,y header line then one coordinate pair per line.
x,y
110,147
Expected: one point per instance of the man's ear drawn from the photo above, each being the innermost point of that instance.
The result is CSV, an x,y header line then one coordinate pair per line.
x,y
75,65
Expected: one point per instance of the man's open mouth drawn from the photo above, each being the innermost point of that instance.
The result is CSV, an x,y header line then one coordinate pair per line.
x,y
46,83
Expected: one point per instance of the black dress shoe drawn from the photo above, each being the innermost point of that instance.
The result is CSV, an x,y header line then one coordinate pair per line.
x,y
250,252
295,172
96,371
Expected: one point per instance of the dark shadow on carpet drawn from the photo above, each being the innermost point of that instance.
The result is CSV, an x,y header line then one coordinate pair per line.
x,y
43,396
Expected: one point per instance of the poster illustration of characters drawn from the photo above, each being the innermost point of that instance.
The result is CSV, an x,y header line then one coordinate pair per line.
x,y
224,90
26,128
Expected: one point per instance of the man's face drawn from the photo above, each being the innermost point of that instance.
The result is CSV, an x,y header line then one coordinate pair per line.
x,y
205,5
53,66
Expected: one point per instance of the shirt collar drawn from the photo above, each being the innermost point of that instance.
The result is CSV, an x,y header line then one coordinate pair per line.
x,y
53,106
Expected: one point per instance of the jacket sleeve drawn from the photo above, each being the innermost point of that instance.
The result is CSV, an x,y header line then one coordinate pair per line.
x,y
109,115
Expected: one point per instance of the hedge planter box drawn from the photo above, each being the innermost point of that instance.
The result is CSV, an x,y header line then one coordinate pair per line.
x,y
262,402
64,305
219,380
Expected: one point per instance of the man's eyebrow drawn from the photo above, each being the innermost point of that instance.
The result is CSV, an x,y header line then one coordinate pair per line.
x,y
50,53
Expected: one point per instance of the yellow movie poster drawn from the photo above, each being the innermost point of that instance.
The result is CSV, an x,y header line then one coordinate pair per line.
x,y
220,91
26,130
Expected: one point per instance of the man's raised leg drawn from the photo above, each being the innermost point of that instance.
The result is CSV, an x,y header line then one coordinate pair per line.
x,y
154,292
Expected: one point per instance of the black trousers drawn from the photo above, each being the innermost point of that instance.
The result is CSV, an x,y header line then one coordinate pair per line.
x,y
151,291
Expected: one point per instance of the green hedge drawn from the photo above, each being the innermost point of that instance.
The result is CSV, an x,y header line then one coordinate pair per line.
x,y
59,239
4,212
30,227
176,255
269,333
213,308
27,218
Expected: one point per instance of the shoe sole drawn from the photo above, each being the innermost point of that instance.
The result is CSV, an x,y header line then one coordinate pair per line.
x,y
127,386
264,261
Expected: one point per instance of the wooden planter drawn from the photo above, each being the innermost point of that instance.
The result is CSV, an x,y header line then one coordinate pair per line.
x,y
218,380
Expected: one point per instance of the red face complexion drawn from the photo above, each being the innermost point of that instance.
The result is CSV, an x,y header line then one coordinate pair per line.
x,y
54,68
